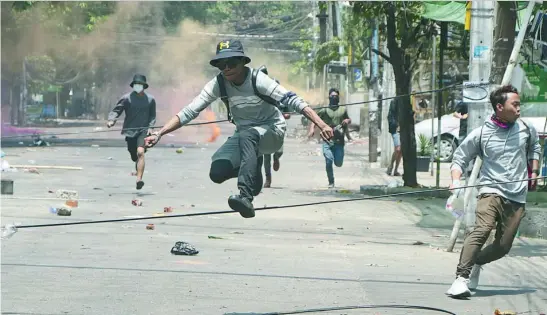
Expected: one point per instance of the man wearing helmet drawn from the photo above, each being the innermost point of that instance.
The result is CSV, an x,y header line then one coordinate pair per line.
x,y
260,126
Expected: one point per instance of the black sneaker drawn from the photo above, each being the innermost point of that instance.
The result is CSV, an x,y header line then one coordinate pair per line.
x,y
140,183
242,205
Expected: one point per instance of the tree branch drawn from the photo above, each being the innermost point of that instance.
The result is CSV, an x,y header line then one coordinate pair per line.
x,y
381,54
412,37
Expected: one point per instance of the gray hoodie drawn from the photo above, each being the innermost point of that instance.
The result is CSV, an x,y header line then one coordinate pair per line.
x,y
504,157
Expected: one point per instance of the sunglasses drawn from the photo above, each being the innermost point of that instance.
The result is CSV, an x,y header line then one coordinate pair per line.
x,y
230,63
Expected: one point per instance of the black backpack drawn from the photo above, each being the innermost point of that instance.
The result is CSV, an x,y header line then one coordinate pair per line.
x,y
224,95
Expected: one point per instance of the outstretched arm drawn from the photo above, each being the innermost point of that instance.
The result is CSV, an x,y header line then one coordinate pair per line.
x,y
207,96
268,86
116,111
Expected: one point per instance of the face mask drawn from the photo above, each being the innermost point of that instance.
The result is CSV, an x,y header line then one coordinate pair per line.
x,y
138,88
334,100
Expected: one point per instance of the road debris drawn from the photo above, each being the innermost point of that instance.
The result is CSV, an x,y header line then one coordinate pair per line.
x,y
179,150
214,237
67,194
8,231
183,248
150,227
498,312
136,202
60,211
418,243
167,209
71,203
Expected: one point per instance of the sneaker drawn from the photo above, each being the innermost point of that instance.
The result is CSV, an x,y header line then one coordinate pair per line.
x,y
140,183
242,205
474,277
388,172
331,186
459,288
268,182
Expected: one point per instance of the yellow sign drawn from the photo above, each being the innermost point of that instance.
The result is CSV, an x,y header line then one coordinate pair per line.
x,y
467,23
224,45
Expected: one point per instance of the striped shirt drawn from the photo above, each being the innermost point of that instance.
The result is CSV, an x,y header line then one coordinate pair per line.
x,y
248,109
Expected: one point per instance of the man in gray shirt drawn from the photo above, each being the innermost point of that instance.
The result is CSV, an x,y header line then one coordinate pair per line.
x,y
508,147
260,126
140,116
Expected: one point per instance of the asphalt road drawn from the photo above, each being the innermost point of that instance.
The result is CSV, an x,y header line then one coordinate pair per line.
x,y
331,255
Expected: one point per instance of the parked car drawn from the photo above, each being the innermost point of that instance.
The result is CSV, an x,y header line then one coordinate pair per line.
x,y
534,114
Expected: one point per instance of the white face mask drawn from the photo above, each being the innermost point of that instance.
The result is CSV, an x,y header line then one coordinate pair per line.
x,y
138,88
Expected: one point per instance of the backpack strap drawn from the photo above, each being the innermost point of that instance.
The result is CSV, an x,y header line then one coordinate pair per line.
x,y
528,140
481,152
265,98
224,96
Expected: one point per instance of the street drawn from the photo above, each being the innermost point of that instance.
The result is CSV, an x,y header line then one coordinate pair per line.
x,y
330,255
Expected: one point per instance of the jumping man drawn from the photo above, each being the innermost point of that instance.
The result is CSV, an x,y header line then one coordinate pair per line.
x,y
260,126
140,116
508,146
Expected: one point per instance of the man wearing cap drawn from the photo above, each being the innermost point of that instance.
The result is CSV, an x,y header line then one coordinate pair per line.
x,y
260,126
140,117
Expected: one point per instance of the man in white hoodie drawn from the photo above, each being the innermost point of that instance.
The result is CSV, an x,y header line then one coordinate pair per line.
x,y
508,147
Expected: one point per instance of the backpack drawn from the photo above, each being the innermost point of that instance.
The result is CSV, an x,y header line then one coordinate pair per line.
x,y
528,145
224,95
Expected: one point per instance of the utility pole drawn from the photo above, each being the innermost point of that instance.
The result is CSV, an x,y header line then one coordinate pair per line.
x,y
322,16
433,94
315,38
373,89
443,45
23,99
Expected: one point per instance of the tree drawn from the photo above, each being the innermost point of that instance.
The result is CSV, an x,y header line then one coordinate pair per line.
x,y
407,39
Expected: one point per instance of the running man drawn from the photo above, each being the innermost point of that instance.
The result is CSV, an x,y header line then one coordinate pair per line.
x,y
140,117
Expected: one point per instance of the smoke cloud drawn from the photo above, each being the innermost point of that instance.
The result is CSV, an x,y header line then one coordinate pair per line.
x,y
134,40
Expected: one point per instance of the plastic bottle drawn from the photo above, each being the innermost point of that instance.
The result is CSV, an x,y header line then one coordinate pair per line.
x,y
455,205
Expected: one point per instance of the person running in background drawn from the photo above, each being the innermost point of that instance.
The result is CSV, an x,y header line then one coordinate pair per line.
x,y
140,117
337,118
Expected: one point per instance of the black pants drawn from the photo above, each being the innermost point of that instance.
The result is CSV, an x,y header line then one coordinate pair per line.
x,y
135,142
249,172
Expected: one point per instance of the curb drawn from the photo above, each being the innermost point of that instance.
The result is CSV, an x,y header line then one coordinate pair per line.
x,y
533,225
378,190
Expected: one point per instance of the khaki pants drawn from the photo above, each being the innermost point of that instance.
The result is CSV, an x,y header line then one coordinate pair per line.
x,y
492,209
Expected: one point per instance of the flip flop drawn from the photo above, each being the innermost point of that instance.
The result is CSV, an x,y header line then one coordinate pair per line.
x,y
140,183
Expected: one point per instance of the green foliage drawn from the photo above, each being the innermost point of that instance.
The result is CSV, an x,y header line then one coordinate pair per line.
x,y
40,73
425,147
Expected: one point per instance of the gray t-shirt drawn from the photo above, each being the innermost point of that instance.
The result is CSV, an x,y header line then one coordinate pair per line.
x,y
505,157
248,110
